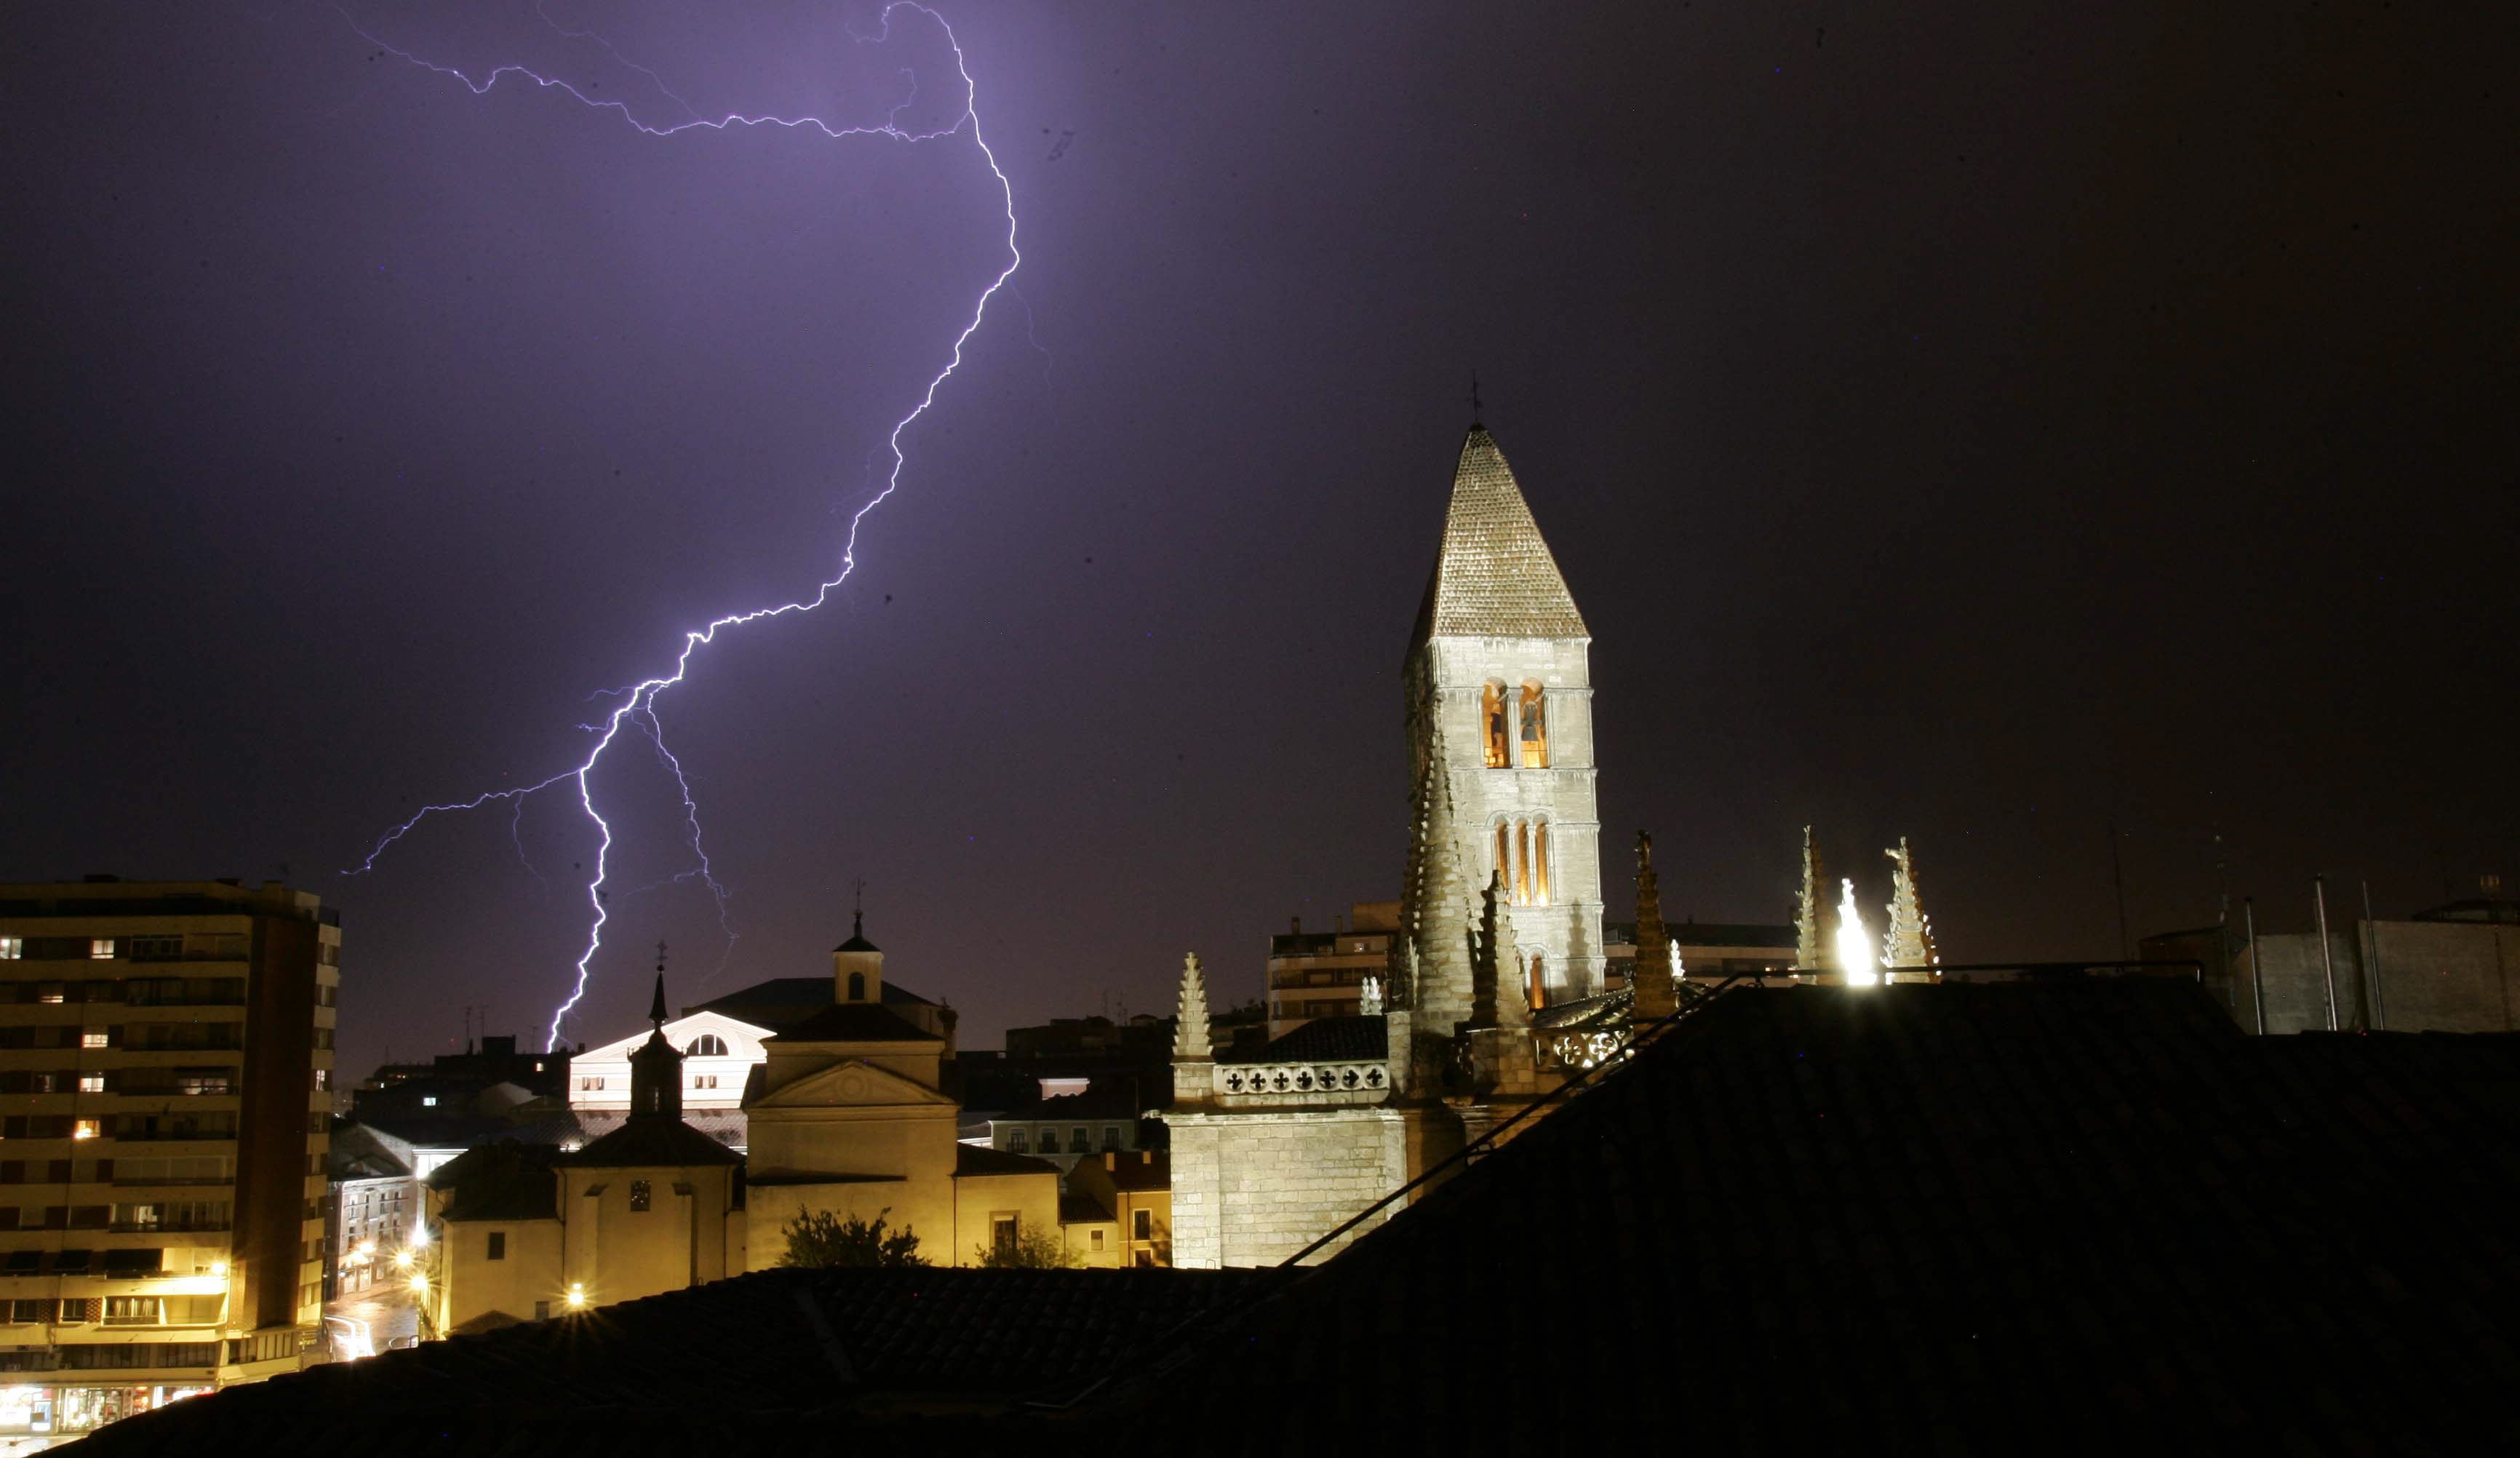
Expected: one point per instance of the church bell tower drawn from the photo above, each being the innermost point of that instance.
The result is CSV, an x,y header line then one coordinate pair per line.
x,y
1500,705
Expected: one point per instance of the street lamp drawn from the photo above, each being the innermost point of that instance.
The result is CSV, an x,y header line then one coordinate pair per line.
x,y
576,1298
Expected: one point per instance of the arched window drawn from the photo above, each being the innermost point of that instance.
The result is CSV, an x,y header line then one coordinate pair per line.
x,y
1539,981
1492,725
1540,863
1522,863
1505,856
1535,728
857,986
707,1045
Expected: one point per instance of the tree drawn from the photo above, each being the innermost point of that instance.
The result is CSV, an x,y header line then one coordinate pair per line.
x,y
1034,1250
820,1238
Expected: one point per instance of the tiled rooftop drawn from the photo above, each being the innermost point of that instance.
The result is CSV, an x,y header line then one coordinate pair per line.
x,y
2075,1215
778,1357
1342,1039
1494,575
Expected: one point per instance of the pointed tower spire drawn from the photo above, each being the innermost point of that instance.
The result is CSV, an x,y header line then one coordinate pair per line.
x,y
656,1065
1189,1028
1494,576
1908,939
1810,947
1654,997
1194,1057
1501,990
1439,912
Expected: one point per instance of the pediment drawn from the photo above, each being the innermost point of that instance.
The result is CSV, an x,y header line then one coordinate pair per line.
x,y
852,1082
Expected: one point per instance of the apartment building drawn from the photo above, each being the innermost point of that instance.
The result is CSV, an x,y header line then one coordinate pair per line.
x,y
165,1077
1322,974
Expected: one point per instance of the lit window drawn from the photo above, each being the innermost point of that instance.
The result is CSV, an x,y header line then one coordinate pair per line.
x,y
705,1080
1540,863
1539,981
428,1101
85,1128
1522,863
91,1084
1535,728
1505,853
101,949
640,1194
12,948
50,991
95,1037
1492,725
707,1045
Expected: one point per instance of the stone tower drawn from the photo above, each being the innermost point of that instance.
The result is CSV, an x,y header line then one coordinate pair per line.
x,y
1500,693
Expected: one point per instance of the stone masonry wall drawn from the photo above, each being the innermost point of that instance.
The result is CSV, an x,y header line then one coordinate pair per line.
x,y
1252,1188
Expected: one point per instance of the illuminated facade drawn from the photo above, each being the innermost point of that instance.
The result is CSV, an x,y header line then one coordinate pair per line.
x,y
719,1053
1495,961
1499,684
524,1232
165,1074
853,1116
1323,974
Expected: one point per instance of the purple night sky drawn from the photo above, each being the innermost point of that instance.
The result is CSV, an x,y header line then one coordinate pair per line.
x,y
1982,422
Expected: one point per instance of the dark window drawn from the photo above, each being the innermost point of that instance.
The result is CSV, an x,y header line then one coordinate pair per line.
x,y
542,1311
1002,1234
498,1245
1143,1225
707,1045
639,1194
1049,1141
857,986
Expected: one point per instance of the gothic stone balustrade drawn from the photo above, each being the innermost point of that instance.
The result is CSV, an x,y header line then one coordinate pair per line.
x,y
1241,1084
1580,1048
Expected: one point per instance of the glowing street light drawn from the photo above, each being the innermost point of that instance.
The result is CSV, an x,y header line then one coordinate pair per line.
x,y
1854,944
576,1298
402,1260
420,1283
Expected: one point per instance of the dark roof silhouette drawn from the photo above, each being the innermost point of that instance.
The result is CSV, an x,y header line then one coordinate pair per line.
x,y
778,1357
856,1022
2075,1215
2081,1216
783,1000
1347,1039
648,1140
979,1159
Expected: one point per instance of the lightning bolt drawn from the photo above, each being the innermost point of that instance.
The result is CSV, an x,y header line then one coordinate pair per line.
x,y
638,702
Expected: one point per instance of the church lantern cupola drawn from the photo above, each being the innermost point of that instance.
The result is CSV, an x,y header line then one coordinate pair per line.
x,y
857,966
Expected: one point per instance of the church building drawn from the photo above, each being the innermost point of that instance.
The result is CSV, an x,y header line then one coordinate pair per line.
x,y
1495,980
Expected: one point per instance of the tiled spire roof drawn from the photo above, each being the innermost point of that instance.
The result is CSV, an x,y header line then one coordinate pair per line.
x,y
1494,575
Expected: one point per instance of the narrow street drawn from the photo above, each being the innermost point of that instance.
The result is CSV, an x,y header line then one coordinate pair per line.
x,y
384,1312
